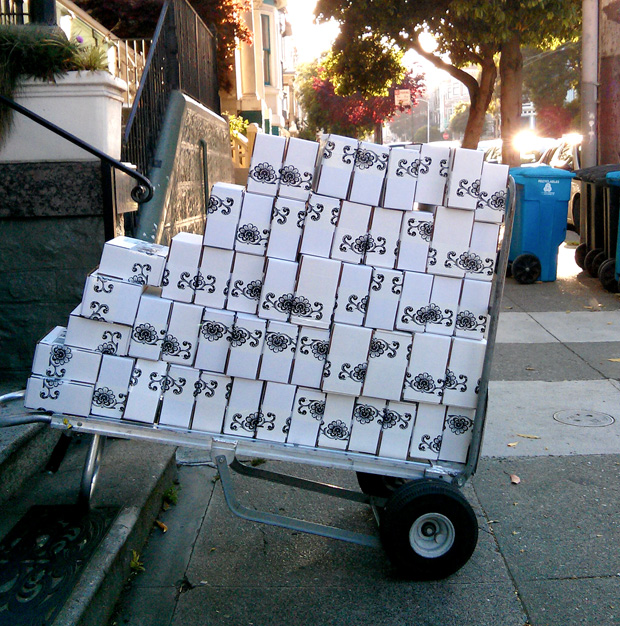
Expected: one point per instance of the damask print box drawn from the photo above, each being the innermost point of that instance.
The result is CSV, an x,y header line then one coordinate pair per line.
x,y
340,303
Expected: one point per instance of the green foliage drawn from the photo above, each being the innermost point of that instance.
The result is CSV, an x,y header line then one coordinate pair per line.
x,y
136,564
171,495
434,135
236,124
458,121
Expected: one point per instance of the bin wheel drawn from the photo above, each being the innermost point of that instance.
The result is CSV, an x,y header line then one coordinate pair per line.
x,y
526,269
428,529
598,260
580,255
378,484
588,263
607,275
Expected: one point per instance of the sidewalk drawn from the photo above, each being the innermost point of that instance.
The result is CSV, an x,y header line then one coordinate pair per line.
x,y
549,547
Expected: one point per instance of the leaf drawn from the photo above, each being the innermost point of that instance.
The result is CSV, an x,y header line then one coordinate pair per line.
x,y
530,369
614,360
588,307
161,525
514,479
513,444
528,436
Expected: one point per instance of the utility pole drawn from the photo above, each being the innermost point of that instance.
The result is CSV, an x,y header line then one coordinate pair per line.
x,y
43,12
589,82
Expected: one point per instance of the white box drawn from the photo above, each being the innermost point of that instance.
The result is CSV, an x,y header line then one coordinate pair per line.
x,y
401,179
287,222
320,222
396,428
246,338
278,295
276,408
351,239
336,161
97,336
427,432
473,315
178,400
109,300
179,344
297,171
213,340
278,351
150,327
215,269
388,357
181,276
310,356
415,239
432,174
463,372
492,198
347,361
307,417
444,305
383,237
223,210
243,414
335,430
385,292
457,434
315,294
133,261
369,171
59,396
352,297
54,359
414,309
254,222
425,375
212,392
112,386
366,425
449,250
265,165
246,283
482,251
148,381
464,179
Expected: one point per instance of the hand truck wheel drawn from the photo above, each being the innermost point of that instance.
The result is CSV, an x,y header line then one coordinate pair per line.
x,y
526,269
378,484
589,261
428,529
580,255
607,275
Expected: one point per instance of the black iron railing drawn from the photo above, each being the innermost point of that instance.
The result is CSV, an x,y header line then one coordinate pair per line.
x,y
12,12
182,57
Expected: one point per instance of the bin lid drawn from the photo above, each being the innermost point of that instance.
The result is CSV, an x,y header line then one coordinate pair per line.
x,y
596,174
540,171
613,178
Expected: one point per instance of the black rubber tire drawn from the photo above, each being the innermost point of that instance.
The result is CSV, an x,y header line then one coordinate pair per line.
x,y
597,261
526,269
580,255
588,262
607,275
576,213
428,498
378,484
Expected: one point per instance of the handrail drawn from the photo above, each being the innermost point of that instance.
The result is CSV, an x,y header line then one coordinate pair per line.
x,y
141,193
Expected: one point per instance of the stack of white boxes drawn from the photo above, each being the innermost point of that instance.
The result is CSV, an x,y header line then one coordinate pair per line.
x,y
340,300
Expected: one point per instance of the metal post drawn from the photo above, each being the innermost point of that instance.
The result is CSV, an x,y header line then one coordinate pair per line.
x,y
43,12
589,82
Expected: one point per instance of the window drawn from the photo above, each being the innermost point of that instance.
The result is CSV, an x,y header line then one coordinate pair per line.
x,y
265,29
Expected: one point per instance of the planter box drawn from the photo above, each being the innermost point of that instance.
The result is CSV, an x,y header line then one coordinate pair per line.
x,y
86,104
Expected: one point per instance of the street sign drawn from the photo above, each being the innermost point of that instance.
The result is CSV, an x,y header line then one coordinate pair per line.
x,y
402,97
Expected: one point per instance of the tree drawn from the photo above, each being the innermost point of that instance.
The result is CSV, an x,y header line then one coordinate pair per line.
x,y
354,115
130,19
458,121
467,32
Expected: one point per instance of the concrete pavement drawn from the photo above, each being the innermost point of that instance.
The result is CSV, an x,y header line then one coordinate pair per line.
x,y
549,547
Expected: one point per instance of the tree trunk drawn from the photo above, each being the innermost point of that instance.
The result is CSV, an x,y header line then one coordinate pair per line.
x,y
511,76
480,99
378,133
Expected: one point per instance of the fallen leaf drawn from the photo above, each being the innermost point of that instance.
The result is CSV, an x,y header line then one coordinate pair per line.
x,y
568,311
588,307
162,526
508,307
528,436
614,360
530,369
514,479
165,506
513,444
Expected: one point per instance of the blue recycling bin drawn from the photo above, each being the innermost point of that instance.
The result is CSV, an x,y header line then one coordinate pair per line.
x,y
542,195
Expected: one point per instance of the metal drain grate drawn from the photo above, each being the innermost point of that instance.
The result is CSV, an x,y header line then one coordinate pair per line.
x,y
587,419
42,557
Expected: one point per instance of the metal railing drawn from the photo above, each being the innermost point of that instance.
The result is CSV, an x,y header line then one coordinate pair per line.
x,y
13,12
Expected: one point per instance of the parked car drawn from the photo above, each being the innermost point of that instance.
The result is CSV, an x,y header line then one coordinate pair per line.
x,y
530,145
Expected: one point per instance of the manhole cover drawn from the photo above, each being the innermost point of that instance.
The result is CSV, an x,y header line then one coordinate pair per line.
x,y
583,418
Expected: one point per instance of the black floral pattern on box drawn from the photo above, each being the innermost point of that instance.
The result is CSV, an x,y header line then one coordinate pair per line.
x,y
252,421
59,355
316,408
363,244
212,330
250,235
328,150
432,256
251,291
50,389
302,307
99,311
287,425
224,206
355,303
424,228
301,218
313,211
429,314
470,263
392,418
280,214
356,373
264,173
336,430
454,382
166,383
466,320
170,346
444,168
197,282
319,348
110,342
429,443
140,273
424,165
105,398
397,284
379,347
283,304
292,177
465,188
237,336
348,154
165,279
459,424
424,383
327,369
333,220
496,201
376,282
206,387
365,413
407,167
278,342
103,285
366,159
146,334
135,376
